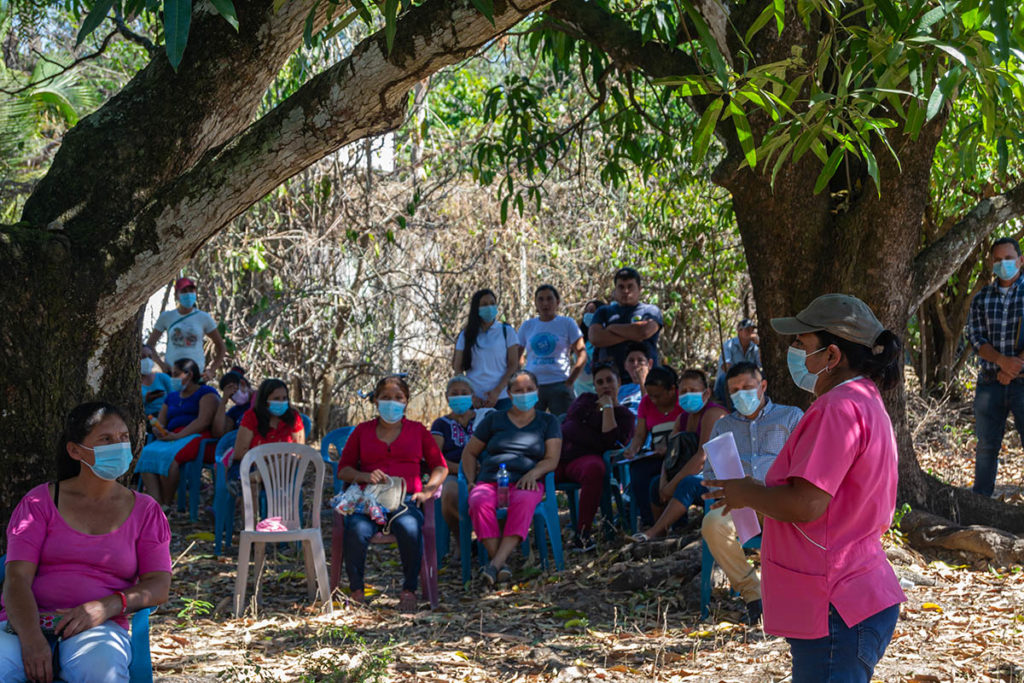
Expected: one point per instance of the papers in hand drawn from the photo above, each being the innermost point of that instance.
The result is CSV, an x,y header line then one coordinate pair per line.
x,y
726,463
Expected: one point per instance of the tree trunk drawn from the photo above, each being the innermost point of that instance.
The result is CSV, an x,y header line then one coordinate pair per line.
x,y
140,185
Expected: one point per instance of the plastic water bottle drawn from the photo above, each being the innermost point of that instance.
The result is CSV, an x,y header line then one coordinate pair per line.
x,y
502,488
158,428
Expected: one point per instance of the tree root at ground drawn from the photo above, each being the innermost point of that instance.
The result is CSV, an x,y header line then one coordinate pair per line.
x,y
681,564
924,530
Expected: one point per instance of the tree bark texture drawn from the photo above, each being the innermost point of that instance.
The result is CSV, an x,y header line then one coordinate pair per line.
x,y
849,238
140,185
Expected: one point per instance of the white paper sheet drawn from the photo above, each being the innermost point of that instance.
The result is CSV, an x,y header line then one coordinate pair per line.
x,y
726,463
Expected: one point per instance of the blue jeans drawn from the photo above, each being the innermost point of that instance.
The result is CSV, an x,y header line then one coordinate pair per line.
x,y
690,490
641,474
993,403
408,531
848,654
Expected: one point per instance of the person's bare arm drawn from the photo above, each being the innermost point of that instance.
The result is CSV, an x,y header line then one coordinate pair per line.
x,y
511,365
243,439
152,589
639,436
437,477
579,347
602,337
23,617
470,454
150,350
798,500
207,409
220,424
453,467
457,361
638,331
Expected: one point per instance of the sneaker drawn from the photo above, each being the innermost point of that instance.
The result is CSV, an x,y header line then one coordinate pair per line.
x,y
753,612
490,575
505,574
583,543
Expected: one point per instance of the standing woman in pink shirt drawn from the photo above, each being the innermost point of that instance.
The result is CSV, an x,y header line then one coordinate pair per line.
x,y
390,445
830,495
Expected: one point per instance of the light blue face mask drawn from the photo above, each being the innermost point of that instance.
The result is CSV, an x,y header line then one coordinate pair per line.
x,y
146,365
797,361
391,411
460,404
524,401
746,401
175,384
1005,269
277,408
588,319
111,460
488,313
692,402
187,299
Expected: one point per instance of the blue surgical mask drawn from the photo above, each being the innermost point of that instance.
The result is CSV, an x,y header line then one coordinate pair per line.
x,y
175,384
797,361
588,319
488,313
524,401
277,408
391,411
692,401
187,299
746,401
112,460
460,404
1005,269
146,365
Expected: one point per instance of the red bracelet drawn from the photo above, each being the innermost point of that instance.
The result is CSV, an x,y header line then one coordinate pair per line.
x,y
124,602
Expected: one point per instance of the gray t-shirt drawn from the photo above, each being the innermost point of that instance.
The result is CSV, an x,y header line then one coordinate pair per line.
x,y
518,448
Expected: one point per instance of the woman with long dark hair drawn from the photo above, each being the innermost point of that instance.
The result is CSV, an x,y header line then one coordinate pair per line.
x,y
82,554
826,583
487,352
271,420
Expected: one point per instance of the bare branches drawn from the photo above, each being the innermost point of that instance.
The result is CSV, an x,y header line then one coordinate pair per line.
x,y
63,68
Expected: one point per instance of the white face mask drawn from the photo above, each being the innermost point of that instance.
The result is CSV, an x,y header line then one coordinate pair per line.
x,y
147,366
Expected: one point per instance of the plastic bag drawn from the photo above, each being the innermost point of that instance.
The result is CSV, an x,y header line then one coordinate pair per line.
x,y
355,500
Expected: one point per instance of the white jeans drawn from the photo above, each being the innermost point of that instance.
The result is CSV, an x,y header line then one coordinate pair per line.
x,y
99,655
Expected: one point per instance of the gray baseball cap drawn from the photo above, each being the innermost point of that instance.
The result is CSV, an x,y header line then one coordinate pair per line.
x,y
840,314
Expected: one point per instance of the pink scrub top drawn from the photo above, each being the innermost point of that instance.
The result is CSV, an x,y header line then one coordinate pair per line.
x,y
845,446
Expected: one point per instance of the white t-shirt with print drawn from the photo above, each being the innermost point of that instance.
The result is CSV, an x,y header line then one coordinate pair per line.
x,y
547,347
490,357
185,334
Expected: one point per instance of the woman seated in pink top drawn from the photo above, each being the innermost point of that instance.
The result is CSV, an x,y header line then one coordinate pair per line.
x,y
82,554
390,445
829,496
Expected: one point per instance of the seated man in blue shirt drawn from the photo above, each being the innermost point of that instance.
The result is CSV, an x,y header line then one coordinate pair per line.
x,y
760,428
625,321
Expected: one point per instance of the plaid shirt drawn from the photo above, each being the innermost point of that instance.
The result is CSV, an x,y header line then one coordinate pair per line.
x,y
758,441
996,319
732,353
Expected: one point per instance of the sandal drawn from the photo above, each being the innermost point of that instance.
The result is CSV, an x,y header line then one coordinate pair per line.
x,y
407,603
490,574
641,538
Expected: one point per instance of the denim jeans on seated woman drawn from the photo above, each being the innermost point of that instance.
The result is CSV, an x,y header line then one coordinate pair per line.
x,y
848,654
407,528
102,653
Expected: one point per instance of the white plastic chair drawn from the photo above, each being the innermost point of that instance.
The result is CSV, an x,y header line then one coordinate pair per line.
x,y
282,468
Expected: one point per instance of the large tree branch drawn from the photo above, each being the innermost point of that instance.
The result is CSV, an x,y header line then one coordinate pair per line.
x,y
620,40
936,262
364,94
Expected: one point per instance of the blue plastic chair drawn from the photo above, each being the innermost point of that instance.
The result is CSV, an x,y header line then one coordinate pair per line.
x,y
337,438
707,561
223,501
141,668
545,528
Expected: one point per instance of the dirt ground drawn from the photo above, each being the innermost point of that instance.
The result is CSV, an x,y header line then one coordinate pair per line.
x,y
963,621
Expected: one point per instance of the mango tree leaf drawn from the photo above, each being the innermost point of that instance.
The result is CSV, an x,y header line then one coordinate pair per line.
x,y
486,8
391,22
834,159
705,130
177,18
743,132
226,9
95,17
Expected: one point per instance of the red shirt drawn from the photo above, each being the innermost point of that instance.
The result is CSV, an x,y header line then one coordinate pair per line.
x,y
283,433
403,457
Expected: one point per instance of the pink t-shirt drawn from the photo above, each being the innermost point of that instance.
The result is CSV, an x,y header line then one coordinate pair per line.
x,y
845,446
74,567
652,417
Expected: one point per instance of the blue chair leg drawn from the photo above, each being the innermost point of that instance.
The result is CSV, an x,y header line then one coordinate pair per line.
x,y
706,563
443,537
141,668
554,529
465,531
572,496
